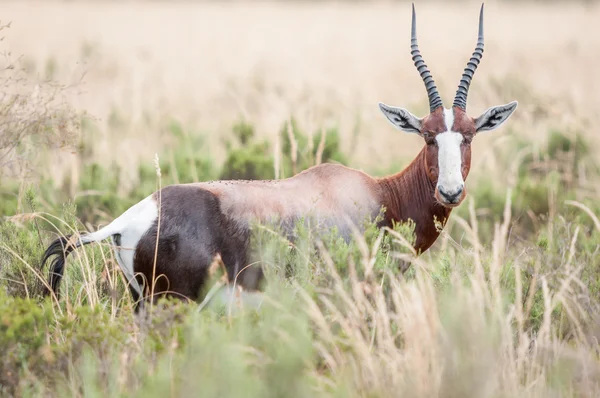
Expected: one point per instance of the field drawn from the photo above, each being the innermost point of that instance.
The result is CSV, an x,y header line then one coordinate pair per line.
x,y
102,102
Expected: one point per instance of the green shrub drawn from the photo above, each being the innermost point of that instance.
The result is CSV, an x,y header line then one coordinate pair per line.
x,y
307,150
248,163
250,158
545,177
38,345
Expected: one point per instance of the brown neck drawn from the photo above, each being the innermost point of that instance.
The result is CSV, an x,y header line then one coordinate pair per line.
x,y
409,195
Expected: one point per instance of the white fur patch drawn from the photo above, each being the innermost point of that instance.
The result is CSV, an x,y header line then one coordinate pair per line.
x,y
137,220
131,225
449,156
449,118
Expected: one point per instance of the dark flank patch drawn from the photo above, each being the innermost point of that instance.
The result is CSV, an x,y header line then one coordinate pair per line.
x,y
192,231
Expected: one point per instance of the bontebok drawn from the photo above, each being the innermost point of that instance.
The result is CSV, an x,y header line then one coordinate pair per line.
x,y
199,221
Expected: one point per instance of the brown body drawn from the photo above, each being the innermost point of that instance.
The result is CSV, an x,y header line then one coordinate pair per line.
x,y
337,195
201,220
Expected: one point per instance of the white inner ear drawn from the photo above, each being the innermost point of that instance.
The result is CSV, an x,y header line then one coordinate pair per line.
x,y
494,117
401,118
449,156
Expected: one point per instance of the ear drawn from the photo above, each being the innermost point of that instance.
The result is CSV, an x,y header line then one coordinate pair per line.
x,y
494,117
401,118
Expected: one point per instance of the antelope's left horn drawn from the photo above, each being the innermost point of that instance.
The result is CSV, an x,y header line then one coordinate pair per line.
x,y
435,101
460,100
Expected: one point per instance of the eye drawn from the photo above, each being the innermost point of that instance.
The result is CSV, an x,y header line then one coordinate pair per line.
x,y
429,138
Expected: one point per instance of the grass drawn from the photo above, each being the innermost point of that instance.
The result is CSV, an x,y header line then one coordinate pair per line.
x,y
479,319
500,306
505,304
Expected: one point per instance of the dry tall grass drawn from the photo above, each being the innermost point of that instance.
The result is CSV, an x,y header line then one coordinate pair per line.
x,y
471,338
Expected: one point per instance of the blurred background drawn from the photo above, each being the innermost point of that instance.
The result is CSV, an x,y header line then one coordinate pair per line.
x,y
138,67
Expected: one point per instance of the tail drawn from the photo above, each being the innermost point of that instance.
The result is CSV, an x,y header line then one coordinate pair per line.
x,y
136,221
62,247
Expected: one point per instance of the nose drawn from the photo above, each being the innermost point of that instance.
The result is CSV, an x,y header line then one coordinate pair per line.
x,y
451,196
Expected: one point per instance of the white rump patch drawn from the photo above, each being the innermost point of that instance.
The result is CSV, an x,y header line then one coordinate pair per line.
x,y
131,225
137,221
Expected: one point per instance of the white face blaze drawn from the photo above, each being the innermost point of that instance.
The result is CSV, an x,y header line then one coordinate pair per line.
x,y
450,184
450,181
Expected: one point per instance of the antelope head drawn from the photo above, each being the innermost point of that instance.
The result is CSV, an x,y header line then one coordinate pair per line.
x,y
448,133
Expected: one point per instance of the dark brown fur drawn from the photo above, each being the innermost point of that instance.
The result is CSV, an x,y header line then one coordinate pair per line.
x,y
410,195
192,231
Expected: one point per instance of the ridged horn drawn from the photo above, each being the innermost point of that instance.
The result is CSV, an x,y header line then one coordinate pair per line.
x,y
460,100
435,101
